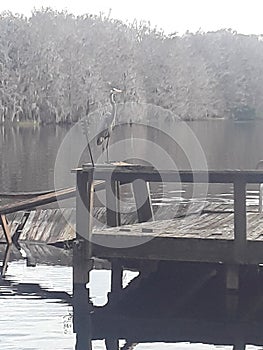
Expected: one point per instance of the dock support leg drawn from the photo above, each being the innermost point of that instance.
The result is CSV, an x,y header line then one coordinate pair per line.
x,y
6,229
239,345
82,260
6,260
116,277
232,290
143,202
8,237
112,344
116,281
113,203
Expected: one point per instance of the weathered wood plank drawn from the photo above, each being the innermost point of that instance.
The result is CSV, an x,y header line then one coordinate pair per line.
x,y
6,229
166,231
44,199
128,173
23,195
38,201
51,225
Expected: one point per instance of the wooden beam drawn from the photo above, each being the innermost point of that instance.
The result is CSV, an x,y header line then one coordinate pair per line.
x,y
240,218
20,227
163,248
23,195
6,260
6,229
82,250
132,172
116,277
112,343
141,191
84,207
44,199
260,206
112,203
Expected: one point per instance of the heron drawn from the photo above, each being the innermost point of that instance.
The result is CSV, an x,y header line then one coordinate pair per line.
x,y
108,123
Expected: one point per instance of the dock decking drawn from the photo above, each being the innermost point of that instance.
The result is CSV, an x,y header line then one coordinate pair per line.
x,y
234,235
222,237
204,238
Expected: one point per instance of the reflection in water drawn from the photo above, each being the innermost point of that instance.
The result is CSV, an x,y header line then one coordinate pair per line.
x,y
153,313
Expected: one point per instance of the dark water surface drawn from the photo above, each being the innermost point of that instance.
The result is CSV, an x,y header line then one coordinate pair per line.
x,y
28,154
35,311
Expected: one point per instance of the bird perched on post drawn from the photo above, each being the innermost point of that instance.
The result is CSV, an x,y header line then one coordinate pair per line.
x,y
108,123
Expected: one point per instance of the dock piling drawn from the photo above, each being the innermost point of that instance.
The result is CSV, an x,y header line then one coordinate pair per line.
x,y
82,255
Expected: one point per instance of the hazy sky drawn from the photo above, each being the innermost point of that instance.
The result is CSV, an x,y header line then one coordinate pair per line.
x,y
245,16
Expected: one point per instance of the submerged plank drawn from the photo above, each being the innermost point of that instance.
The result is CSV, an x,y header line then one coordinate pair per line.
x,y
191,238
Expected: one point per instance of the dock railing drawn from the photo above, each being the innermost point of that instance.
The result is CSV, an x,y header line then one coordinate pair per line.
x,y
239,179
260,167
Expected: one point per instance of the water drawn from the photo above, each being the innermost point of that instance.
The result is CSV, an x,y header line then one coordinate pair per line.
x,y
34,317
28,319
28,155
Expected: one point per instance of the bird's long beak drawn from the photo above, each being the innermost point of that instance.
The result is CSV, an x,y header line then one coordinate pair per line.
x,y
116,90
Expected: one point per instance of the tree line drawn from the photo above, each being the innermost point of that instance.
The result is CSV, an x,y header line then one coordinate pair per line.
x,y
54,66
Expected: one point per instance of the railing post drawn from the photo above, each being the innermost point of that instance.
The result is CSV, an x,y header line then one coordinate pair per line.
x,y
113,203
240,219
141,191
82,257
260,197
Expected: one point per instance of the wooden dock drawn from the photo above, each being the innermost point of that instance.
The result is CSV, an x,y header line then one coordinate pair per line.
x,y
222,243
231,236
225,236
222,237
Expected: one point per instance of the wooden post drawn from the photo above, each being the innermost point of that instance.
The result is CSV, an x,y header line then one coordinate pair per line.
x,y
112,203
232,290
260,198
240,219
112,343
118,196
6,260
116,277
6,229
82,258
260,208
20,227
143,202
239,345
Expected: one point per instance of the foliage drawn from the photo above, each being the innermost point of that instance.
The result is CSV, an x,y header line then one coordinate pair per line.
x,y
53,64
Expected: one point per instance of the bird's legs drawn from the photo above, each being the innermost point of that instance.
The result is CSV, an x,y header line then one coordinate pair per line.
x,y
107,148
